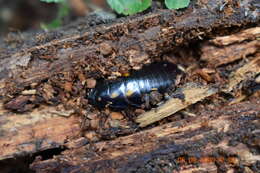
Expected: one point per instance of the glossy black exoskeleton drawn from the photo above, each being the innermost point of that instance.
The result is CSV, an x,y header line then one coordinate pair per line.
x,y
128,91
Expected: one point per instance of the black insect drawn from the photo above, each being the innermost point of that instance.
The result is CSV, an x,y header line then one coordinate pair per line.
x,y
129,91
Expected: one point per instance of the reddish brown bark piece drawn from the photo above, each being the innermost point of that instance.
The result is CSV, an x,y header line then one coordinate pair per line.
x,y
227,49
20,104
245,35
217,56
202,137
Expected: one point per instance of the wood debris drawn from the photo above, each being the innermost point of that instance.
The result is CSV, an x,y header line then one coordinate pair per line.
x,y
248,71
44,84
192,93
185,139
245,35
35,131
218,56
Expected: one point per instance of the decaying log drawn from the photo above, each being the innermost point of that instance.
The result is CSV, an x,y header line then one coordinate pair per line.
x,y
227,49
36,131
58,72
219,133
41,121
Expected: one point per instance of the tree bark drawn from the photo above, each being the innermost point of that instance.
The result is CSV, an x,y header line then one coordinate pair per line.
x,y
43,86
218,136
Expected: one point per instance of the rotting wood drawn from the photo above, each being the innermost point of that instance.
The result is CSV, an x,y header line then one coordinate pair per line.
x,y
17,150
137,41
200,137
133,40
245,35
209,167
190,94
248,71
41,129
217,56
227,49
194,93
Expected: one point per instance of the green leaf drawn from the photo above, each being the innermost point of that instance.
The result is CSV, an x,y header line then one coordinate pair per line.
x,y
53,1
54,24
176,4
128,7
63,11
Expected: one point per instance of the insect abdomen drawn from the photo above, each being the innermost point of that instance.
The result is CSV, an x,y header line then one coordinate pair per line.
x,y
129,90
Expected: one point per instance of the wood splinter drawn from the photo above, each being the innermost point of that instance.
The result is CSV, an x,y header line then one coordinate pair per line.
x,y
191,93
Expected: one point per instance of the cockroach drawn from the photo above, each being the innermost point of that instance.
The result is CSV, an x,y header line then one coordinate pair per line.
x,y
129,91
